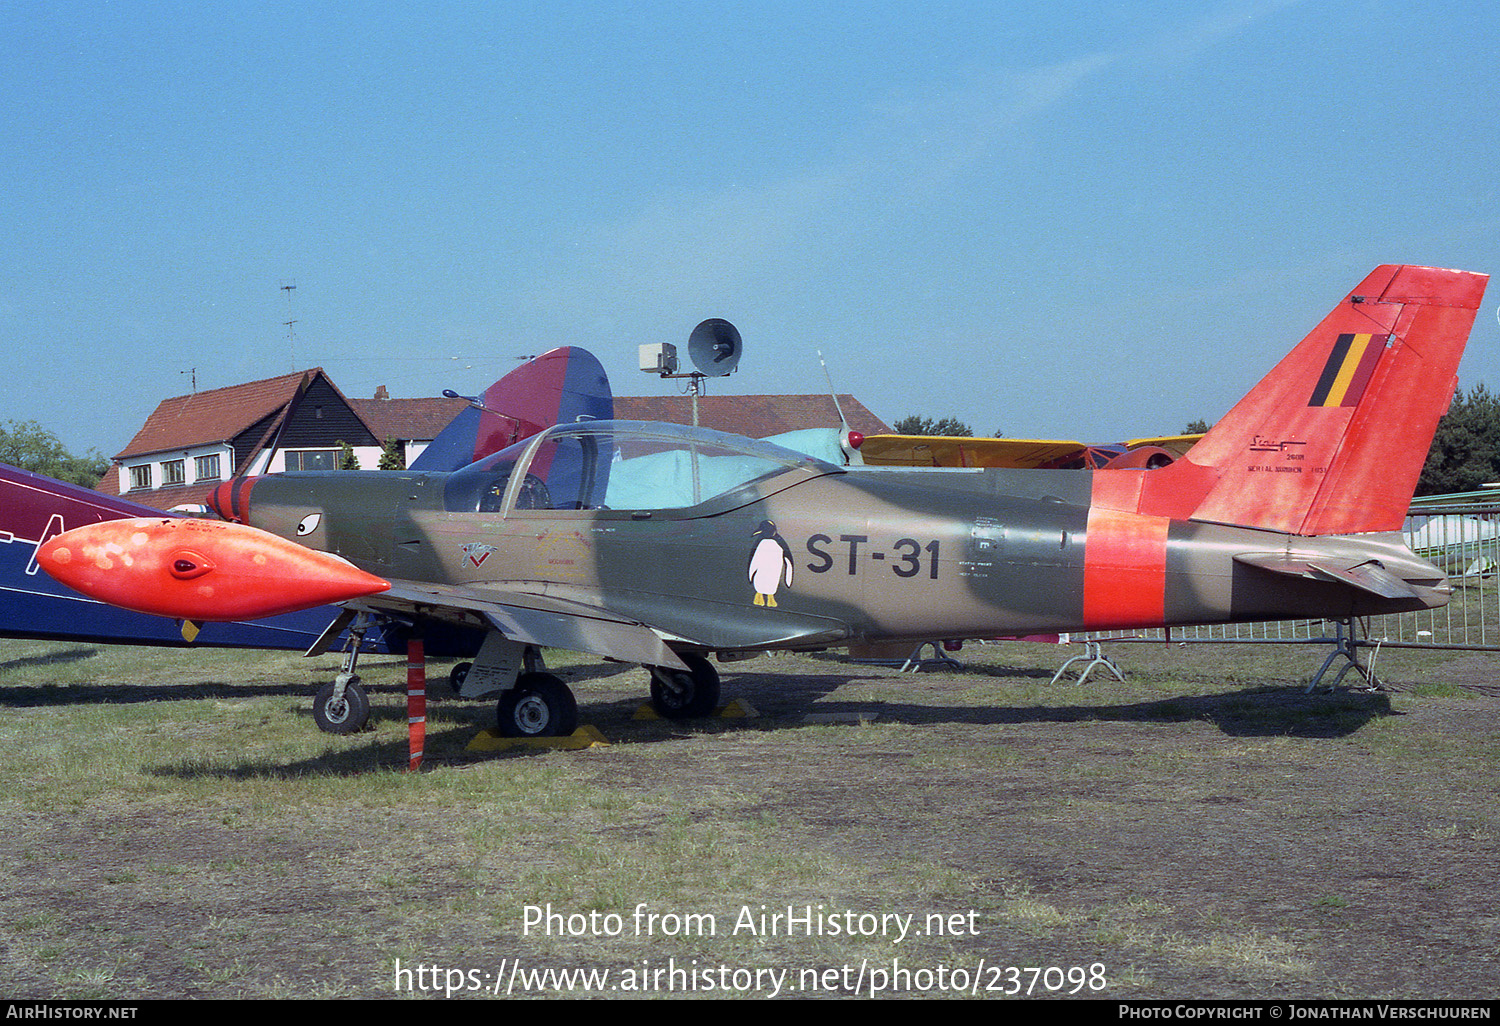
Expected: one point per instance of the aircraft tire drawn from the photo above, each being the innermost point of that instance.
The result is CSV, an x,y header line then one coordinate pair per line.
x,y
679,695
457,675
540,705
348,716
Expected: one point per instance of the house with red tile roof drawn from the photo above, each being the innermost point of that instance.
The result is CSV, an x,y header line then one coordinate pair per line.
x,y
300,421
192,443
409,423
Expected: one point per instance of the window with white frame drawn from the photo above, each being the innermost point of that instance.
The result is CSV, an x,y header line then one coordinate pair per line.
x,y
312,459
173,472
207,468
140,476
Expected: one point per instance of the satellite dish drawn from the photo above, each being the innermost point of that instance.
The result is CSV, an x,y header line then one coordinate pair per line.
x,y
714,347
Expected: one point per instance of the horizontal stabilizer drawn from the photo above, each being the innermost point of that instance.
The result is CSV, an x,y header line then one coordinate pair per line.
x,y
1368,576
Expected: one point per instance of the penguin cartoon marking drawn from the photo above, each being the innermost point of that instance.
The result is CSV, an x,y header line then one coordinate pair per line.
x,y
769,562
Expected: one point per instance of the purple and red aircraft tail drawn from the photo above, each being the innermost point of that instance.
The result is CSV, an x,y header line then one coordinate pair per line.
x,y
561,386
1332,441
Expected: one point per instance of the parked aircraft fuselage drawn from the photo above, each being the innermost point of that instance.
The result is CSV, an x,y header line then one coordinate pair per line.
x,y
869,555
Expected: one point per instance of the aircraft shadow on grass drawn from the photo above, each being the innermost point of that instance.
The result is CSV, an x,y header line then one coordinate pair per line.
x,y
104,693
1249,712
70,655
1243,712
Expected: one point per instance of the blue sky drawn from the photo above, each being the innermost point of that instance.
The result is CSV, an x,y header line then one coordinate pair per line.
x,y
1091,220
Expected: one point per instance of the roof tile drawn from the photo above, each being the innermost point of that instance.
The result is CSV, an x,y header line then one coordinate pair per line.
x,y
216,415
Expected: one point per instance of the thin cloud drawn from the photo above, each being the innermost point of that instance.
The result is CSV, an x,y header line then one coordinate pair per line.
x,y
1191,40
683,247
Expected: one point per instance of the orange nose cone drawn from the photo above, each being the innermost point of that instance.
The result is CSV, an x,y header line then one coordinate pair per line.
x,y
200,569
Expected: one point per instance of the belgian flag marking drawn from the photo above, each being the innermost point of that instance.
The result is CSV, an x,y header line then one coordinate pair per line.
x,y
1348,370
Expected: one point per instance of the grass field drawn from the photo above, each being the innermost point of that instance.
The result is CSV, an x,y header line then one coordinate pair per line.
x,y
174,826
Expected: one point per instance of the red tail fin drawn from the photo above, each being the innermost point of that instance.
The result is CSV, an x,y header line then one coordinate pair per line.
x,y
1332,441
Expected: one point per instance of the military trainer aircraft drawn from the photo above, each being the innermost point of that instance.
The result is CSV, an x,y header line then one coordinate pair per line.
x,y
664,545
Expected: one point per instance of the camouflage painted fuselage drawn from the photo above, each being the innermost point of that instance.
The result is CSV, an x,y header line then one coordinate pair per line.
x,y
816,555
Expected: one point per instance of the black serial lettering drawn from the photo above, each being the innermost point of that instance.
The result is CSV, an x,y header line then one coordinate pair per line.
x,y
814,548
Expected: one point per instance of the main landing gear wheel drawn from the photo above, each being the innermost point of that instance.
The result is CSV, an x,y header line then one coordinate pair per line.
x,y
540,705
685,695
346,715
456,676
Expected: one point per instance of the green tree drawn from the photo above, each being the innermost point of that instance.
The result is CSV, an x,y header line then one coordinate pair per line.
x,y
28,445
1196,427
347,459
390,456
1465,451
948,426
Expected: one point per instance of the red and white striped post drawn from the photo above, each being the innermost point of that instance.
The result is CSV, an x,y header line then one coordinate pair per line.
x,y
416,703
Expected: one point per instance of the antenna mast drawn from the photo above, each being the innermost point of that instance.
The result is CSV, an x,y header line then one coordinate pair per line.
x,y
291,338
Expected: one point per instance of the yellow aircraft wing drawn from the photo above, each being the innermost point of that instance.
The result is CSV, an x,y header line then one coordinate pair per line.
x,y
1177,445
945,451
1016,453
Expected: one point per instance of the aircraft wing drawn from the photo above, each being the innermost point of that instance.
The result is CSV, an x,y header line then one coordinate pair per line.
x,y
581,623
1014,453
542,620
35,508
945,451
1177,445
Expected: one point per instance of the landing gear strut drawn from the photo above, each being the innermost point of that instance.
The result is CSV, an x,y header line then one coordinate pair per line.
x,y
685,694
341,707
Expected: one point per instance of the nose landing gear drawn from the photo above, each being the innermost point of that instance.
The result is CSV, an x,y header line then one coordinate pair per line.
x,y
342,707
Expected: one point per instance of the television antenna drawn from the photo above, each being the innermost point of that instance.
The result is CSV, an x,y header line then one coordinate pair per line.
x,y
291,338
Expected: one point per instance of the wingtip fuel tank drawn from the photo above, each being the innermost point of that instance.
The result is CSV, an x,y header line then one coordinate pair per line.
x,y
200,569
